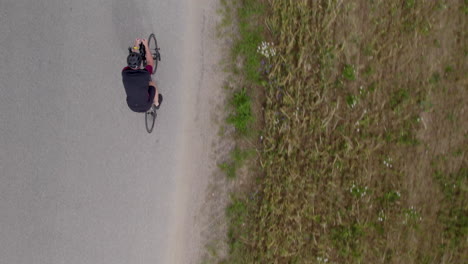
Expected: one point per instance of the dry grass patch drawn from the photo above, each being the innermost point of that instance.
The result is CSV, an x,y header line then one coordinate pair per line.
x,y
364,144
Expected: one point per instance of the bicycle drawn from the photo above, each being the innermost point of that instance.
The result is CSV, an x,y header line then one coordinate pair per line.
x,y
150,115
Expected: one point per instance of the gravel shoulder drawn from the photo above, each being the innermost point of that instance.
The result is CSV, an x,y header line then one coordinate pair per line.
x,y
203,106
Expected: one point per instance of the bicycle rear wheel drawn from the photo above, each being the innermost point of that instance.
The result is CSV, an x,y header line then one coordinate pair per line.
x,y
154,50
150,118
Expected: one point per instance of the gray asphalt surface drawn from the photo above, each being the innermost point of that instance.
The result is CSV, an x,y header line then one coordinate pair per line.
x,y
81,181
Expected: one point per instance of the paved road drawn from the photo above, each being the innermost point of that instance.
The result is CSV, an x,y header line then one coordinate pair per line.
x,y
81,181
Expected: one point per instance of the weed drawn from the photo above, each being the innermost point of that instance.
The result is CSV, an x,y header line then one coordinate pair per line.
x,y
369,71
237,211
448,69
249,39
410,3
242,116
425,105
399,97
349,73
346,239
381,217
368,50
391,197
406,137
412,217
435,78
236,161
358,191
351,100
454,216
372,87
451,117
229,169
464,8
458,153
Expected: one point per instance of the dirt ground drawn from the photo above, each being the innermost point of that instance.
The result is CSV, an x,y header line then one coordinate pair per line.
x,y
208,190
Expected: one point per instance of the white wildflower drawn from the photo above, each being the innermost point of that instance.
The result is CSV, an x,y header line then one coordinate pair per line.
x,y
322,260
266,49
387,162
381,216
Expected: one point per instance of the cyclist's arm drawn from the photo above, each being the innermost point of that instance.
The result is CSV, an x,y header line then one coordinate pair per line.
x,y
149,56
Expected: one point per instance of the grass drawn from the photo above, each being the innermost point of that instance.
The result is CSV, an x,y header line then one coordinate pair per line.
x,y
245,47
245,51
236,213
346,238
355,107
454,215
235,162
349,73
241,117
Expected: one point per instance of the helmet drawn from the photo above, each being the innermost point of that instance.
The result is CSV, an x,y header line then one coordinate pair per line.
x,y
134,60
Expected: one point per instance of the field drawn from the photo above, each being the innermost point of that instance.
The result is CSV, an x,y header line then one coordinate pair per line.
x,y
352,131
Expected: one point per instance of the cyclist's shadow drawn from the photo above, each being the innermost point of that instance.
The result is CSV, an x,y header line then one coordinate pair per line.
x,y
127,18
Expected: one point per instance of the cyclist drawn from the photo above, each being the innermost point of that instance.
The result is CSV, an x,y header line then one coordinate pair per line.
x,y
141,91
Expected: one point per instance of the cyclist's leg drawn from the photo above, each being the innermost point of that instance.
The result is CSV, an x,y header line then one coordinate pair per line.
x,y
156,92
160,99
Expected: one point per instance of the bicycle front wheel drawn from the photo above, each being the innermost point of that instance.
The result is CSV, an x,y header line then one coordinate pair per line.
x,y
154,50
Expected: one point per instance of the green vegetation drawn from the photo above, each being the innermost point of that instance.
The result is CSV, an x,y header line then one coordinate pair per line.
x,y
454,214
249,39
236,161
349,73
359,109
237,214
246,62
242,116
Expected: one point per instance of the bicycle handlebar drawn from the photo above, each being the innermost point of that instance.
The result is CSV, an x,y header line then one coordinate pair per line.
x,y
142,51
